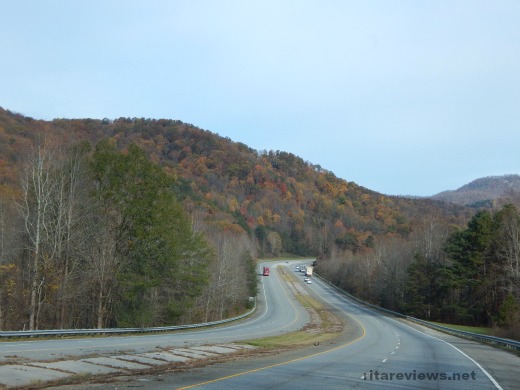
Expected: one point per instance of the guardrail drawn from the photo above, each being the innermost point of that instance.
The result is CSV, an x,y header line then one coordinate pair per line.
x,y
504,343
85,332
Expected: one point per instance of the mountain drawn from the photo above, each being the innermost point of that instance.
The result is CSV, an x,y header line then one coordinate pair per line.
x,y
284,203
482,192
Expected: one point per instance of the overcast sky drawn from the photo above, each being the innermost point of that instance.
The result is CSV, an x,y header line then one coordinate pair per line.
x,y
402,97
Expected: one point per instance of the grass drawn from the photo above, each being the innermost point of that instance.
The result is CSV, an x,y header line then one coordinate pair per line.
x,y
465,328
323,325
293,339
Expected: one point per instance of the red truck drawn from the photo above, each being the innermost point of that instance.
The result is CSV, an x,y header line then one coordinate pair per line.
x,y
266,271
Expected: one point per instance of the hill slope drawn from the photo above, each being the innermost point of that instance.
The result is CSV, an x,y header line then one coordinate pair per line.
x,y
285,203
483,191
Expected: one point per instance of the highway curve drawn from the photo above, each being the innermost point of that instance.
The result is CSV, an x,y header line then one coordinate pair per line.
x,y
374,351
378,352
277,312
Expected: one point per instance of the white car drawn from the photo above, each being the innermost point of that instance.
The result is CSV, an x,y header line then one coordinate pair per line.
x,y
309,281
306,279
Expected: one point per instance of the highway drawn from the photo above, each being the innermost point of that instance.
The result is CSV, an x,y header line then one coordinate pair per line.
x,y
278,312
377,352
374,351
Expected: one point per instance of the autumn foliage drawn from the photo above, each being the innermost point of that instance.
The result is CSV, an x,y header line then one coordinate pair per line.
x,y
267,203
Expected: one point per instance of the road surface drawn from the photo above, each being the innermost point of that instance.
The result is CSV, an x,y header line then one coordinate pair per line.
x,y
278,312
377,352
374,352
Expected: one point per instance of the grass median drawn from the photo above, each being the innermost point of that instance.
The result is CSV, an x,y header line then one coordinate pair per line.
x,y
323,325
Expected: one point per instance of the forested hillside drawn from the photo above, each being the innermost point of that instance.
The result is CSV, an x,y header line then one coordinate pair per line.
x,y
468,275
288,204
91,226
482,192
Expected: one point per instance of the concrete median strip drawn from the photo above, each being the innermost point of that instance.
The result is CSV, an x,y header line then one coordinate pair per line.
x,y
165,356
21,375
115,363
215,349
14,375
141,359
192,353
77,367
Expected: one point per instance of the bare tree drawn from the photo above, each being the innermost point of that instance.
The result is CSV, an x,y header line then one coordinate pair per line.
x,y
71,216
227,287
396,256
103,266
340,267
508,249
9,269
35,207
429,239
275,243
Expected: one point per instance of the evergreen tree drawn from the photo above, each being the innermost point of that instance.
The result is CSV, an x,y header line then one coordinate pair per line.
x,y
164,261
470,251
426,289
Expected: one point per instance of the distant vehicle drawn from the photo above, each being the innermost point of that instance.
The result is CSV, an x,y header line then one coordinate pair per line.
x,y
302,268
308,271
297,269
266,271
306,279
309,281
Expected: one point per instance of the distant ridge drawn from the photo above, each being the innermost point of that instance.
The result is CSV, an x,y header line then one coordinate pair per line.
x,y
483,191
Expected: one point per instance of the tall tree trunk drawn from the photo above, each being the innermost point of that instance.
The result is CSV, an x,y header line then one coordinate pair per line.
x,y
35,203
100,310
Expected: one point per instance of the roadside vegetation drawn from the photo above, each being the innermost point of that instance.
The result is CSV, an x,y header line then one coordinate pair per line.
x,y
466,276
323,325
96,238
471,329
149,222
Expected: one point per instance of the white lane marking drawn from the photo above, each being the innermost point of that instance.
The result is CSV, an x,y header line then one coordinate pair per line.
x,y
464,354
365,309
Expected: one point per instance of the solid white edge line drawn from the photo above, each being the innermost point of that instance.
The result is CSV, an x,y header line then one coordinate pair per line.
x,y
490,377
457,349
495,383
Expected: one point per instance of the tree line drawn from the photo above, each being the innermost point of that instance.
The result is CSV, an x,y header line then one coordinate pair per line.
x,y
95,237
262,203
285,204
468,275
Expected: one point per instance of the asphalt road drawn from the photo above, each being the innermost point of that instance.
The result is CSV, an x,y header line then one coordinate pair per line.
x,y
377,352
374,352
277,312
